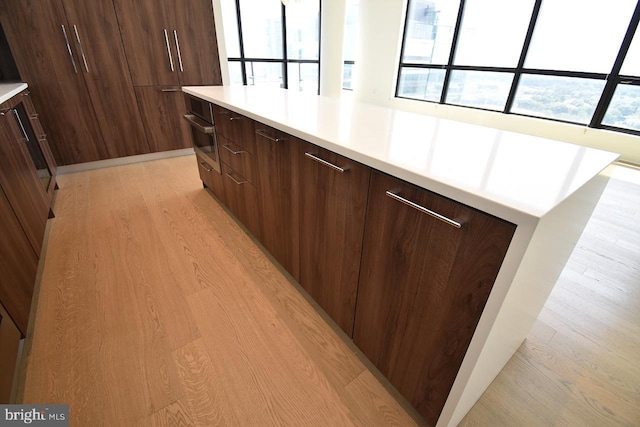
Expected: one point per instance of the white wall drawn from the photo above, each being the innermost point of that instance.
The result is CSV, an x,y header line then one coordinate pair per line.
x,y
380,37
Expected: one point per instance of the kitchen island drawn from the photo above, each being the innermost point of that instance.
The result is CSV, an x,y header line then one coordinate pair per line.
x,y
545,189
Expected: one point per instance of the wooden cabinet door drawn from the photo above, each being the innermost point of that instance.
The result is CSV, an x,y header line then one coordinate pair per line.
x,y
278,193
148,42
162,110
18,266
423,286
332,209
195,41
242,199
96,37
20,181
9,344
34,30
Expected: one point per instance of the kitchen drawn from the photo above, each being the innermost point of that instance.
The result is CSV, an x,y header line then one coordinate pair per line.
x,y
146,92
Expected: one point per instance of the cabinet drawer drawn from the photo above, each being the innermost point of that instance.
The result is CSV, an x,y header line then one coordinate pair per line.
x,y
238,158
211,178
234,127
242,199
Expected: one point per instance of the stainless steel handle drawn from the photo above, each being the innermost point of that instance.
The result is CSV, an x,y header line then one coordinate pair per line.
x,y
422,209
226,146
199,124
166,40
84,59
206,167
66,40
228,116
235,180
34,116
171,90
266,135
5,111
175,36
324,162
17,116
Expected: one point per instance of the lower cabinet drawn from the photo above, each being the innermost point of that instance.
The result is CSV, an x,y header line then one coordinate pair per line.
x,y
161,108
423,286
241,199
278,188
403,271
9,344
333,201
211,178
18,266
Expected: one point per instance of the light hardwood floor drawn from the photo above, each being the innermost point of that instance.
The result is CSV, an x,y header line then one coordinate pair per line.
x,y
155,309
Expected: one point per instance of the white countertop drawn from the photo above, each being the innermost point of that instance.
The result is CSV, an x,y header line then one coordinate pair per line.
x,y
513,176
9,90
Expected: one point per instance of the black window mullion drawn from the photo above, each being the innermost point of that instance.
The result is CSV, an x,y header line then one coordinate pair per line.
x,y
404,39
243,65
614,77
452,53
285,67
523,56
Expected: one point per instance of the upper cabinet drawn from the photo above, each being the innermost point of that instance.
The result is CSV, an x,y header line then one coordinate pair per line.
x,y
170,43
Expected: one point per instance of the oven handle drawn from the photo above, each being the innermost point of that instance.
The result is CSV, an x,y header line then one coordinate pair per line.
x,y
199,124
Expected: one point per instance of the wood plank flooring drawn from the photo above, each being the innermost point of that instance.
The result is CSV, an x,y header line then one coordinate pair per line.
x,y
155,309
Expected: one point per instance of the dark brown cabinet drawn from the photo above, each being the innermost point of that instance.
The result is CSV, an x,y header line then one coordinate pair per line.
x,y
236,147
161,109
423,286
41,41
333,201
211,178
19,177
9,344
170,42
46,161
101,61
242,199
278,195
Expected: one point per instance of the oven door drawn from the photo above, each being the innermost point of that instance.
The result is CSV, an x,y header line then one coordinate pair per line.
x,y
204,139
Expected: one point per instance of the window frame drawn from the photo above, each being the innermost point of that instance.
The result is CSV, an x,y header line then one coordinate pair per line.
x,y
612,79
285,61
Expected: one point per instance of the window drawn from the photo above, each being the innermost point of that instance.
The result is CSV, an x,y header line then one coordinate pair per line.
x,y
270,44
569,60
350,42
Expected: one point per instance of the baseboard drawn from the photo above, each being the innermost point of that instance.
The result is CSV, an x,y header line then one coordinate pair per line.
x,y
81,167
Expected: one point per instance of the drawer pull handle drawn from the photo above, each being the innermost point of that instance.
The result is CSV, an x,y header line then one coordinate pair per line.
x,y
324,162
206,167
229,117
232,151
422,209
230,175
34,116
266,135
171,90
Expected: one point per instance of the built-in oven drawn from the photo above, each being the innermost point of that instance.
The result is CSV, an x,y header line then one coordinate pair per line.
x,y
203,131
